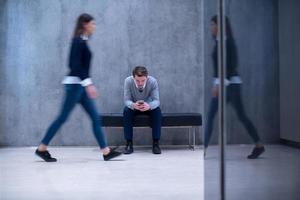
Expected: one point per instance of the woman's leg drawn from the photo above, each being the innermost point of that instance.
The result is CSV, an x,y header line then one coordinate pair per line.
x,y
89,105
73,93
236,100
213,108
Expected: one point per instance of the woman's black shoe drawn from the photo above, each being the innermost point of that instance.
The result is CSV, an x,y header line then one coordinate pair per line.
x,y
112,154
45,155
257,151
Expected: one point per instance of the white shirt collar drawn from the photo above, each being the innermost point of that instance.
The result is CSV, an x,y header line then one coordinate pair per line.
x,y
84,37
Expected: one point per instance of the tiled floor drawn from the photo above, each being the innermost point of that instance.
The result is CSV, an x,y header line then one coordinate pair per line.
x,y
274,176
81,173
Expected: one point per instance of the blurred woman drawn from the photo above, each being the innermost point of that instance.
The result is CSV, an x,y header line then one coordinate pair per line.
x,y
233,90
79,88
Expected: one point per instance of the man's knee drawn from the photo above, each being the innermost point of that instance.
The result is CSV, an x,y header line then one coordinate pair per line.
x,y
156,112
127,111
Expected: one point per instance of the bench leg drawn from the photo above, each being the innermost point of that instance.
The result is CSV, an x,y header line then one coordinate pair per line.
x,y
192,137
190,146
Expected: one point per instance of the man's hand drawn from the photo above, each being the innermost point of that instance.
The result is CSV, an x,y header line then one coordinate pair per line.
x,y
136,106
91,91
141,107
144,107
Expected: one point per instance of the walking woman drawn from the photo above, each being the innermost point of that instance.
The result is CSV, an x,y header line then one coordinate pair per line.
x,y
78,89
233,93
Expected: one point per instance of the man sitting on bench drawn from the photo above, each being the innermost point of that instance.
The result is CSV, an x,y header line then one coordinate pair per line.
x,y
141,96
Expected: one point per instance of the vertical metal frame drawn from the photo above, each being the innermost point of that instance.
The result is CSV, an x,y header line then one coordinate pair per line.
x,y
221,37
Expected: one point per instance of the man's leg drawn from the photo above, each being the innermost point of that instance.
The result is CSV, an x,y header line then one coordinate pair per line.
x,y
128,116
156,117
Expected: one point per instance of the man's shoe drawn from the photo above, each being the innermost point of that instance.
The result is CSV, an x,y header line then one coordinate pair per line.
x,y
45,155
155,148
112,154
257,151
129,148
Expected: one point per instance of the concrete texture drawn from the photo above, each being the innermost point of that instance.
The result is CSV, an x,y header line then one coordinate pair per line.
x,y
254,26
276,175
166,36
289,48
2,58
80,173
171,37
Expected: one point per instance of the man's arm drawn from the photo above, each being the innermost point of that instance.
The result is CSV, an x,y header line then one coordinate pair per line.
x,y
127,95
155,97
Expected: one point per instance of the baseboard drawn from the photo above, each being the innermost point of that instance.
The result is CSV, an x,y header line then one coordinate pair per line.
x,y
290,143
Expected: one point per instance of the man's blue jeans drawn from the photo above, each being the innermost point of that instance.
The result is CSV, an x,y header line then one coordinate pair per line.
x,y
155,117
75,93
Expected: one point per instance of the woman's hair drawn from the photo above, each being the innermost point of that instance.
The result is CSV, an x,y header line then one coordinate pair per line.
x,y
231,45
228,25
81,21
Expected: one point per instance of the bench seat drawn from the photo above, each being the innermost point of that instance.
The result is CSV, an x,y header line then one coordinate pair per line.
x,y
188,120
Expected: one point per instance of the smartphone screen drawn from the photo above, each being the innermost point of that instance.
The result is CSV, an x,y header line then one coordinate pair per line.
x,y
140,102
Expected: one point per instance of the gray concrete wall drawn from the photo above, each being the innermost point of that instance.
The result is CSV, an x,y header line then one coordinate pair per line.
x,y
2,50
171,37
254,26
166,36
289,48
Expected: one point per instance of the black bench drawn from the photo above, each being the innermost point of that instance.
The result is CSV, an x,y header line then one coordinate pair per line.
x,y
175,120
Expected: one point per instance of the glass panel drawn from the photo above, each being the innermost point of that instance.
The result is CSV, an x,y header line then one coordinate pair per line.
x,y
261,68
211,128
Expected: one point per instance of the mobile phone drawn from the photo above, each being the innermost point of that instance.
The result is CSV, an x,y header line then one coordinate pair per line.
x,y
140,102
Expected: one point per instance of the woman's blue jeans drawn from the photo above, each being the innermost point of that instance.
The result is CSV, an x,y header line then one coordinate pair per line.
x,y
233,96
75,93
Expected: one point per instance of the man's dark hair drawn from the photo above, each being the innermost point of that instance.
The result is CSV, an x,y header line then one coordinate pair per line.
x,y
139,71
